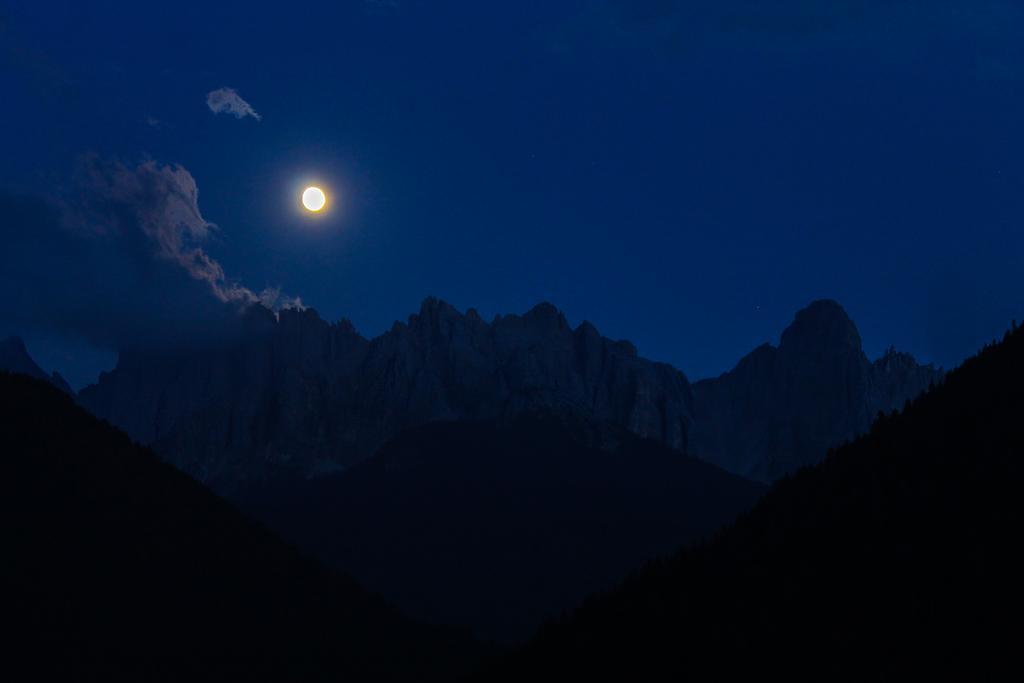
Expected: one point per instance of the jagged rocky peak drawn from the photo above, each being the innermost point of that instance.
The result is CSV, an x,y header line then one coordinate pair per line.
x,y
433,308
823,326
587,329
542,323
544,320
897,377
345,326
545,316
895,361
438,317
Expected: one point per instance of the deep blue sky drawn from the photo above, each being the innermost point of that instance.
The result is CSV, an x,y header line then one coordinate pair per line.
x,y
683,174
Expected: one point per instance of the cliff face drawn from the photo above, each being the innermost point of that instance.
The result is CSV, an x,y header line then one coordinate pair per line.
x,y
783,407
306,395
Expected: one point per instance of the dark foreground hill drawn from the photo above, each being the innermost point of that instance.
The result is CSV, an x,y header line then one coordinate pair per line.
x,y
896,559
119,567
500,526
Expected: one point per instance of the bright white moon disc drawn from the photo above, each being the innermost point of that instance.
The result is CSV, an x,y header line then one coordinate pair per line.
x,y
313,198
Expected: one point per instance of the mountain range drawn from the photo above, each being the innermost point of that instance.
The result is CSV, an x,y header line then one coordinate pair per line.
x,y
888,557
297,394
518,465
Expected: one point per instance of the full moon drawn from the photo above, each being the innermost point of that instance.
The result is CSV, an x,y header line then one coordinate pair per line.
x,y
313,198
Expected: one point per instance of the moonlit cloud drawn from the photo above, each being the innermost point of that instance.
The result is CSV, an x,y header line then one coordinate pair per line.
x,y
163,202
227,101
121,261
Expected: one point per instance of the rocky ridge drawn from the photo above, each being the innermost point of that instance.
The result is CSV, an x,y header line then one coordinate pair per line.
x,y
304,394
299,393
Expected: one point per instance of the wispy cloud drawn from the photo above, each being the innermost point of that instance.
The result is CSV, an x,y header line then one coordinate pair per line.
x,y
228,101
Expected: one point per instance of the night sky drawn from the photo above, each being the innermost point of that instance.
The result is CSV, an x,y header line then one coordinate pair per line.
x,y
683,174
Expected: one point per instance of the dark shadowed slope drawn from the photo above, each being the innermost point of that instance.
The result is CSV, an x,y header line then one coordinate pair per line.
x,y
118,566
895,559
499,527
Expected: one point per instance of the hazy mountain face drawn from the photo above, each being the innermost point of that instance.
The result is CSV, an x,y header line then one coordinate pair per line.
x,y
299,394
310,397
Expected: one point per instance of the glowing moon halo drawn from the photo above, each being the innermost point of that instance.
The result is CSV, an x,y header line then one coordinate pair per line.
x,y
314,199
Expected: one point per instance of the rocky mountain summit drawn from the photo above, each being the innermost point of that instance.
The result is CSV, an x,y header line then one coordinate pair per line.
x,y
783,407
296,392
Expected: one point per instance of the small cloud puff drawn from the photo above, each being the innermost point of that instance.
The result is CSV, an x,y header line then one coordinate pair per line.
x,y
226,100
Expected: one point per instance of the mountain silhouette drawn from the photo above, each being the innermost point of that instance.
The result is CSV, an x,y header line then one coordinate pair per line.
x,y
501,526
119,567
896,558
